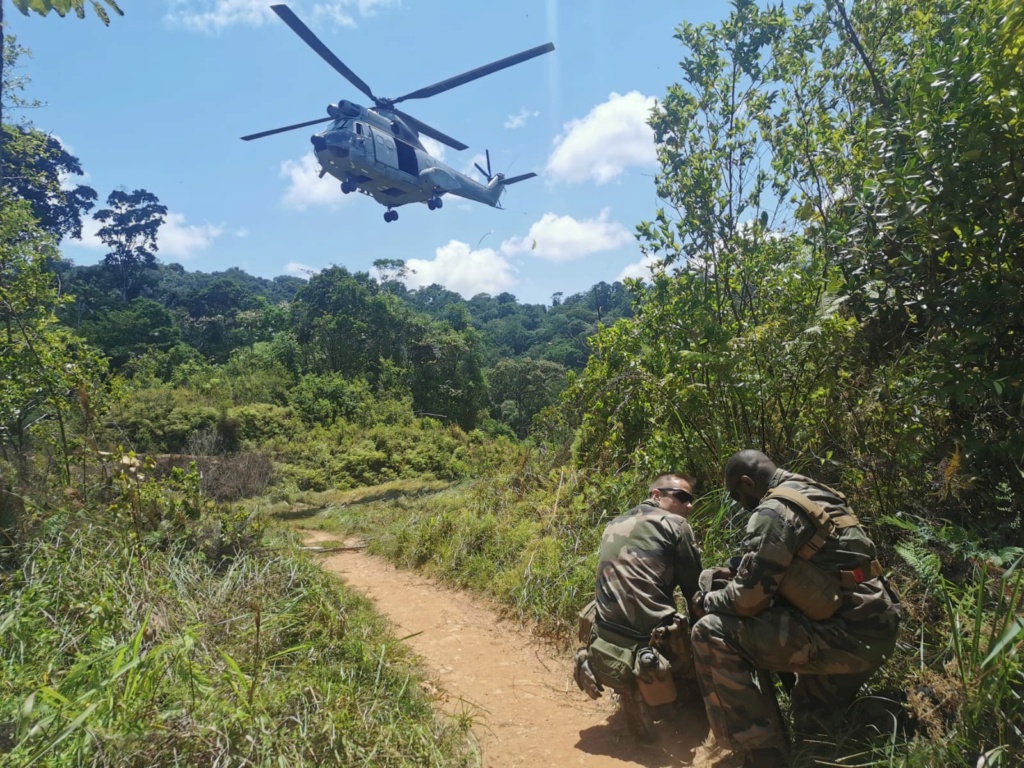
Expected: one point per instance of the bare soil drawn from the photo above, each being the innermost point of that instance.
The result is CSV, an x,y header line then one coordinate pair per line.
x,y
526,709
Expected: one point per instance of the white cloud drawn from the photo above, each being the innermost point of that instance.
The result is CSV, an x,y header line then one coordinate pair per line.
x,y
90,238
242,232
179,240
176,238
215,15
641,269
306,188
333,14
435,148
519,120
68,181
461,269
300,270
612,137
563,238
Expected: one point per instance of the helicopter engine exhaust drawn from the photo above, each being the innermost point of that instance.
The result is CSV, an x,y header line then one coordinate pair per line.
x,y
344,108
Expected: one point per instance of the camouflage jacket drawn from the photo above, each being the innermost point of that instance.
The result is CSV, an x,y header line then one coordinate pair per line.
x,y
776,531
644,555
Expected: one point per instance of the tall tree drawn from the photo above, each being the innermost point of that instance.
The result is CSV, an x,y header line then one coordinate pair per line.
x,y
130,226
520,389
48,371
447,377
346,325
34,167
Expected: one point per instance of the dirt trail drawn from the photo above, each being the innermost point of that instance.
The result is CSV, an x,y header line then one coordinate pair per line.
x,y
528,711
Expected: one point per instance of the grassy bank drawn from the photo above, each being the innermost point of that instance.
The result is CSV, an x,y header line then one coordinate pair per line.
x,y
215,646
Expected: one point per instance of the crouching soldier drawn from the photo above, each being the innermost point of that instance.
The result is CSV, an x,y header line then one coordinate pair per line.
x,y
807,597
635,641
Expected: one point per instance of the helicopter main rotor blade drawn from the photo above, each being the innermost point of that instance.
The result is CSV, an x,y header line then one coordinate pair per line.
x,y
272,131
473,74
421,127
300,29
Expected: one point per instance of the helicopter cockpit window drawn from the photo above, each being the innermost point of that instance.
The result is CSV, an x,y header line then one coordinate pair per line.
x,y
359,128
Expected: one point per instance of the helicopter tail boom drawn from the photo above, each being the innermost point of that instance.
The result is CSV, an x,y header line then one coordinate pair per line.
x,y
496,186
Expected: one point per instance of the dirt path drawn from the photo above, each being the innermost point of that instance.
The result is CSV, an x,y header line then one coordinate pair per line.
x,y
528,710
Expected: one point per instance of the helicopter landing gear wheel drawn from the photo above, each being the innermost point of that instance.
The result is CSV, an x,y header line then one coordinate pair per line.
x,y
390,216
348,186
434,203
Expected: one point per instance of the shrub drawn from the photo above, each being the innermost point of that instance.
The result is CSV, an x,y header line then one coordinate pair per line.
x,y
235,476
325,398
259,423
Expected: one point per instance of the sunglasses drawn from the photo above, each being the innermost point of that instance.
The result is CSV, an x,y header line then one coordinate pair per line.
x,y
678,494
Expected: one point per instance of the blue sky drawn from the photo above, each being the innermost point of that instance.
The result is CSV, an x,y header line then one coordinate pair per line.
x,y
159,99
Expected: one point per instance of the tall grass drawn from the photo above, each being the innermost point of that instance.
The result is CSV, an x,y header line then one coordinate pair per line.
x,y
968,702
114,651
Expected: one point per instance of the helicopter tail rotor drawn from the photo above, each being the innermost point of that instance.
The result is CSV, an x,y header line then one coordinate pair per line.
x,y
487,174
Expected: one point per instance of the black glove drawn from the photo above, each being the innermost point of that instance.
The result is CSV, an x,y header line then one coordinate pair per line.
x,y
584,677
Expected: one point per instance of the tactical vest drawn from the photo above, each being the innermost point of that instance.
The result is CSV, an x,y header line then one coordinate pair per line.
x,y
814,592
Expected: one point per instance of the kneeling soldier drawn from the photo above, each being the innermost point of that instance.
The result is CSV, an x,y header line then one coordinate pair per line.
x,y
635,641
808,596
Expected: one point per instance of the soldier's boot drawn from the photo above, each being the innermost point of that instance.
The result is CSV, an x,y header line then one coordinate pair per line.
x,y
807,723
638,716
765,758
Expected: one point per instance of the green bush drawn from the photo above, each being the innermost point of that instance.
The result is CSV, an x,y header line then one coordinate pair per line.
x,y
259,423
186,420
325,398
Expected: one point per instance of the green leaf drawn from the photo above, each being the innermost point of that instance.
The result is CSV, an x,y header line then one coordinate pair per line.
x,y
1013,632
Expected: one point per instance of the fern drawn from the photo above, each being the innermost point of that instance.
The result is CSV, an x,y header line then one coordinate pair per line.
x,y
925,564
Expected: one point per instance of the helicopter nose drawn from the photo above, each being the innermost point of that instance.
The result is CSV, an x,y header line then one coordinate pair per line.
x,y
319,142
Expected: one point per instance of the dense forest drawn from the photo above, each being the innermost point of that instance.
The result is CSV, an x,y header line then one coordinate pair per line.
x,y
839,282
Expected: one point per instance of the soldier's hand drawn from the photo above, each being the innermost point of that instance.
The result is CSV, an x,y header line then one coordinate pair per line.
x,y
722,573
697,607
584,677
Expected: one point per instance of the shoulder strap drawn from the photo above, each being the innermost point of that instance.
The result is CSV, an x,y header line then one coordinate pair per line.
x,y
825,525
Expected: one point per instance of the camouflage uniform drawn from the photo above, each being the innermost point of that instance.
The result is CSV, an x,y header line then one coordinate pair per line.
x,y
749,627
644,555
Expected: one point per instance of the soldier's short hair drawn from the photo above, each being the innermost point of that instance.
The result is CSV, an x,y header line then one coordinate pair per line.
x,y
754,464
659,481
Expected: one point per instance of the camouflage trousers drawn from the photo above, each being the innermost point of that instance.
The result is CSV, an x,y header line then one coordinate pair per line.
x,y
831,663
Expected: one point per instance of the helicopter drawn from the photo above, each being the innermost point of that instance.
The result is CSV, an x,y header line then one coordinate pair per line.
x,y
377,150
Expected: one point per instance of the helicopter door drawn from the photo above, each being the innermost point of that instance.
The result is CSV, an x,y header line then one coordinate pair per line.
x,y
407,158
361,137
384,146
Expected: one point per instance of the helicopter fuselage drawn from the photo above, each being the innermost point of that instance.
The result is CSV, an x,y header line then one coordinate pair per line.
x,y
379,155
377,150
